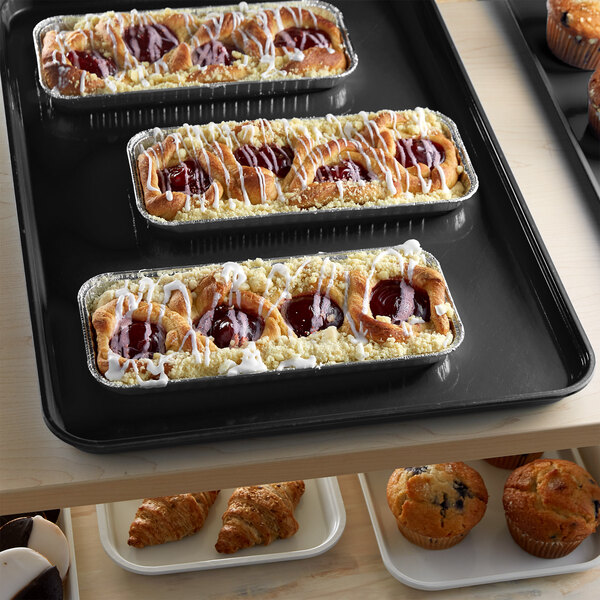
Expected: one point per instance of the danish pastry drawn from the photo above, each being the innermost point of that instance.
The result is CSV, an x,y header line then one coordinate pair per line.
x,y
259,514
233,169
261,315
119,52
169,518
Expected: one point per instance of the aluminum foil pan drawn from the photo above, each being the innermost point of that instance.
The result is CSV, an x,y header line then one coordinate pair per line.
x,y
94,287
200,92
144,139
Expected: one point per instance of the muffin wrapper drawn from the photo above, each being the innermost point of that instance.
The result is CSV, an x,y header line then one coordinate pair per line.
x,y
514,461
430,543
565,46
594,118
540,548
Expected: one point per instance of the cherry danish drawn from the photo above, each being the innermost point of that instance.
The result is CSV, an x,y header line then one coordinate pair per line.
x,y
309,313
398,300
213,53
149,43
270,156
230,326
410,152
93,62
188,177
345,170
138,339
301,38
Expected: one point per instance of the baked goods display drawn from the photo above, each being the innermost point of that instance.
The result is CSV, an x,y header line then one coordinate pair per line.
x,y
259,514
250,168
117,52
573,32
514,460
257,316
169,518
594,102
436,506
34,559
551,506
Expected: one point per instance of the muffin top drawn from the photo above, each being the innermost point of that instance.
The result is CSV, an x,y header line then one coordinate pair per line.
x,y
552,500
594,88
440,500
580,16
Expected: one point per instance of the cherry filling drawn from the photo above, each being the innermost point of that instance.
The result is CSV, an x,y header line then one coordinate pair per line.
x,y
148,43
138,339
230,326
188,177
346,170
275,158
398,300
312,312
93,62
302,39
409,152
213,53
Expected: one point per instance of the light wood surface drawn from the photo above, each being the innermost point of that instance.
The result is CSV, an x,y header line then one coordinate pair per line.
x,y
38,470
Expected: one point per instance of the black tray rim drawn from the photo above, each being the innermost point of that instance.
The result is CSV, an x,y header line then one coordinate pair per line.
x,y
20,182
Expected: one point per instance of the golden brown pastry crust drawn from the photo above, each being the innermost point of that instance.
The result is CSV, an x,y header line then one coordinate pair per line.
x,y
169,518
259,515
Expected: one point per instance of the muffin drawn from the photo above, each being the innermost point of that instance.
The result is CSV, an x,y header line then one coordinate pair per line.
x,y
436,506
551,506
513,461
594,102
573,32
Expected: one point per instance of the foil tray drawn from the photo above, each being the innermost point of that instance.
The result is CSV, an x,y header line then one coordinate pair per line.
x,y
144,139
94,286
202,92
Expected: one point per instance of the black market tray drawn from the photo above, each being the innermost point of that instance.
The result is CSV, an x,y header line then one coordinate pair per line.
x,y
563,91
523,342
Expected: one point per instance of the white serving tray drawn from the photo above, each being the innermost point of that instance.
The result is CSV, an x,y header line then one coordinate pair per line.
x,y
320,514
488,554
70,584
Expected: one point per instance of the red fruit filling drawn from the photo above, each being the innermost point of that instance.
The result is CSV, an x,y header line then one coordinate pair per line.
x,y
312,312
346,170
410,151
398,300
148,43
272,157
230,326
187,177
138,339
213,53
93,62
302,39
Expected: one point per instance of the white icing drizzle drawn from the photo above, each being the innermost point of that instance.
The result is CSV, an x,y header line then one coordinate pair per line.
x,y
441,309
297,362
251,362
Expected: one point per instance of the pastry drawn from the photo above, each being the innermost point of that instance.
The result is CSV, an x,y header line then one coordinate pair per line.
x,y
169,518
27,575
436,506
594,102
514,460
240,169
551,506
119,52
573,32
259,514
258,315
40,535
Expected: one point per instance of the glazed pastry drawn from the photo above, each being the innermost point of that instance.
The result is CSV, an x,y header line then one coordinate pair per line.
x,y
573,32
234,169
256,316
259,515
120,52
169,518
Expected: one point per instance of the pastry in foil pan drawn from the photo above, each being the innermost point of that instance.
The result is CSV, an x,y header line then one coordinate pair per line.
x,y
116,58
377,307
229,173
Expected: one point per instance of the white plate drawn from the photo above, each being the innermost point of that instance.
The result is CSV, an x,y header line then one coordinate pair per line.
x,y
320,514
488,554
70,584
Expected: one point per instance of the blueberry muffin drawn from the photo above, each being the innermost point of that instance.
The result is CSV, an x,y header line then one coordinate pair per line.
x,y
573,32
551,506
514,460
436,506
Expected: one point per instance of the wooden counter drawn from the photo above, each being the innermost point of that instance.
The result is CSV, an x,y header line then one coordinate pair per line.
x,y
39,470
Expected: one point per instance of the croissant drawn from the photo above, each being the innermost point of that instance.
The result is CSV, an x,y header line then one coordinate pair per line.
x,y
258,515
169,518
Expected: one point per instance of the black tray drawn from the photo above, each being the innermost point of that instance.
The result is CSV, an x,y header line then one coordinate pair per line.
x,y
523,343
563,90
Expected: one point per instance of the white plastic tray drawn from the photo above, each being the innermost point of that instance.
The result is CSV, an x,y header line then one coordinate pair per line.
x,y
70,584
320,514
488,554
